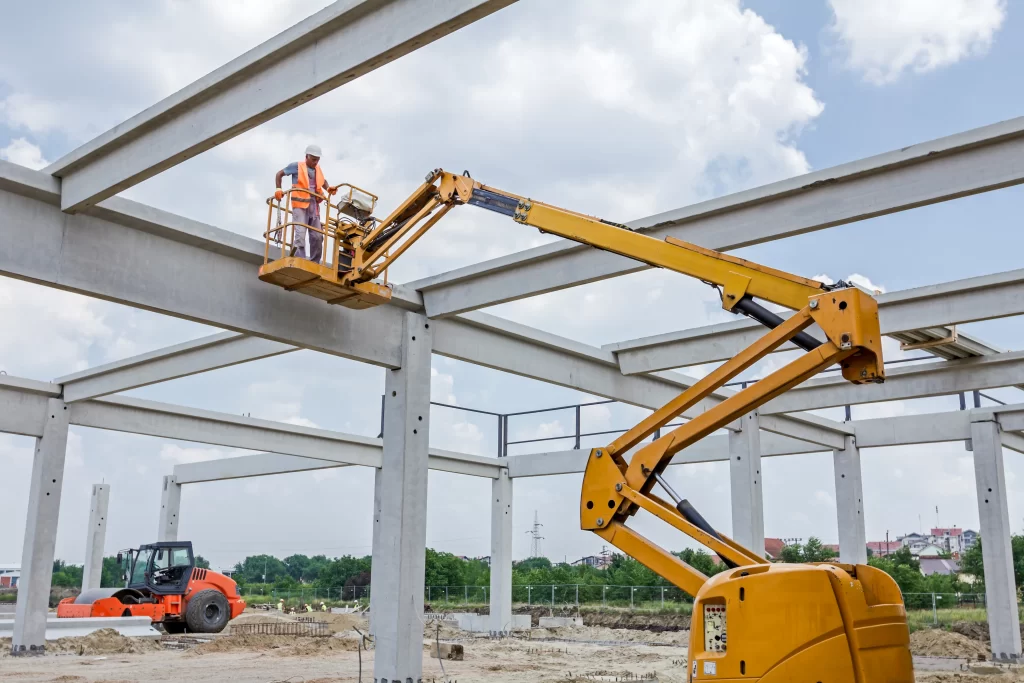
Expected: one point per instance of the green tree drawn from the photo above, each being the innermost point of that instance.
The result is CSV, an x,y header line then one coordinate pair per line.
x,y
252,568
701,561
202,562
443,569
971,562
66,575
344,571
815,551
112,576
792,554
533,563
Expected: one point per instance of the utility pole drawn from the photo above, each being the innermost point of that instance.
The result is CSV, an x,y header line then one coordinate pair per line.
x,y
534,534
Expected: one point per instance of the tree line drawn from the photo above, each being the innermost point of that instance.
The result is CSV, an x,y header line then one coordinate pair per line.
x,y
70,575
446,569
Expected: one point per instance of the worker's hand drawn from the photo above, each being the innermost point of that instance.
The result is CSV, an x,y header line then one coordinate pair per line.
x,y
333,190
279,194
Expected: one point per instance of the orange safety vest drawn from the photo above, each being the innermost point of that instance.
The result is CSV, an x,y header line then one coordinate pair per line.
x,y
300,200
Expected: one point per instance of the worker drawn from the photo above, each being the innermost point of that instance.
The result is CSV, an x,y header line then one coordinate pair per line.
x,y
305,175
309,607
323,607
280,605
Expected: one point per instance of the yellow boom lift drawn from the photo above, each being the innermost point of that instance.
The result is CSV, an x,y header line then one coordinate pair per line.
x,y
775,623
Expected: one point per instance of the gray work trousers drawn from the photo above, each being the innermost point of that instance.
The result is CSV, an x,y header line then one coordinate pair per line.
x,y
307,244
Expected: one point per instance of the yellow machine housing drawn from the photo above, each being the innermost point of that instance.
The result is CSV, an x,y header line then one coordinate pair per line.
x,y
821,623
781,623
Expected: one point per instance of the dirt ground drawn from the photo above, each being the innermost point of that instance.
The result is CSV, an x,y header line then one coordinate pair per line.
x,y
547,655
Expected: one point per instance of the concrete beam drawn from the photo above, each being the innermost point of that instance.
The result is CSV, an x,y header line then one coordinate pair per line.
x,y
853,548
501,553
745,485
714,448
338,44
107,255
190,358
400,512
1013,440
41,532
206,275
170,509
907,430
137,416
96,537
978,298
997,552
939,378
967,163
24,403
268,464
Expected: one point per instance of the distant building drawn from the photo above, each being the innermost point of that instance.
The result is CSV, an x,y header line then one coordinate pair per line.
x,y
936,565
970,537
773,548
949,539
930,550
883,548
595,561
9,575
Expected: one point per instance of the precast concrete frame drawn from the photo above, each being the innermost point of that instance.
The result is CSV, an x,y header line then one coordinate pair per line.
x,y
64,228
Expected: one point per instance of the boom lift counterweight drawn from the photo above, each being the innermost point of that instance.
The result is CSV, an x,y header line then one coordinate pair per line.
x,y
756,621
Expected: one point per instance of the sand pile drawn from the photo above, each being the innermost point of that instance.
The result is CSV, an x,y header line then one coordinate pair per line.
x,y
284,646
939,643
620,635
950,677
106,641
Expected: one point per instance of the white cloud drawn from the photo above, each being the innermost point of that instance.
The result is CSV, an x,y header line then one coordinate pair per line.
x,y
26,111
21,151
884,39
69,323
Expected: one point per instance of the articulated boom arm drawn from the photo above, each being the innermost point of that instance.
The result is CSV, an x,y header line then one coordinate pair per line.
x,y
614,489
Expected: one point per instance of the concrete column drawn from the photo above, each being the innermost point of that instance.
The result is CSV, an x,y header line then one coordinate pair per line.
x,y
96,537
170,510
853,542
997,553
501,553
400,512
41,532
745,484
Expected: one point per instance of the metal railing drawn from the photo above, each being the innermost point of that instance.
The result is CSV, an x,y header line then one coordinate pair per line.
x,y
943,601
315,629
303,594
561,595
502,425
503,441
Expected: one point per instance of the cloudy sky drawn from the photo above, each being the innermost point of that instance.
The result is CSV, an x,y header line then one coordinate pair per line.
x,y
607,109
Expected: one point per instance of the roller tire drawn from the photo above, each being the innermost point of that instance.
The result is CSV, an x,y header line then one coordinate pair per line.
x,y
207,612
173,627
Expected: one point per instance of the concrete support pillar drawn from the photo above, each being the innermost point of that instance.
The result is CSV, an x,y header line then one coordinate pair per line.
x,y
41,532
853,542
745,484
997,553
170,509
501,553
400,512
96,537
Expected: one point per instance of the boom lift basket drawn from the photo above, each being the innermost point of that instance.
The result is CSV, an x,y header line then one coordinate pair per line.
x,y
350,218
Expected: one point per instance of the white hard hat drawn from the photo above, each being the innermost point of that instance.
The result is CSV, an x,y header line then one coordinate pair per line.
x,y
314,150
